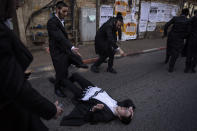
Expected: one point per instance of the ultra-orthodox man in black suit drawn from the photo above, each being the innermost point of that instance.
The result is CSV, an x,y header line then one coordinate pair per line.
x,y
105,43
191,48
176,37
21,106
95,105
62,52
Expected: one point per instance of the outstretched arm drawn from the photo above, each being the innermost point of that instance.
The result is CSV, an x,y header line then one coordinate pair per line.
x,y
56,33
167,25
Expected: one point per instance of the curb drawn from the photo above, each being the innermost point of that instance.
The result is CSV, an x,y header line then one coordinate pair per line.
x,y
92,60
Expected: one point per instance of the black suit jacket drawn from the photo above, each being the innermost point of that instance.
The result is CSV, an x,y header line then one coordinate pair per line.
x,y
106,37
20,105
177,34
60,48
82,114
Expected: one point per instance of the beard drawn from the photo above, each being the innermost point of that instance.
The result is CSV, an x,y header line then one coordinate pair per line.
x,y
60,15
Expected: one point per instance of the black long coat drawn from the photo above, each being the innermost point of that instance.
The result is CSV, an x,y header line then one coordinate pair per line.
x,y
81,114
192,39
106,37
7,9
20,105
179,32
60,48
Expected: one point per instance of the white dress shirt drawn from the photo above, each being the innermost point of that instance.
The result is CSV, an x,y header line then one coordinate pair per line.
x,y
61,20
102,96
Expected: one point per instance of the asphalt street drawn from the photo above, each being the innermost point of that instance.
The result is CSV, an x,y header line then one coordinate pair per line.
x,y
165,101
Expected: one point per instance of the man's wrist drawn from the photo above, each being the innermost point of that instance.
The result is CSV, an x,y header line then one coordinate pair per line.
x,y
117,49
73,47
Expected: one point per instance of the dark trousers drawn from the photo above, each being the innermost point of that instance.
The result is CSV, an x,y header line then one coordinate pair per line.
x,y
103,57
191,62
83,83
172,62
62,76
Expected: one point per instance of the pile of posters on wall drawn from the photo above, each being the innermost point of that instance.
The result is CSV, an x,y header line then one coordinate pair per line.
x,y
129,30
106,12
153,12
160,12
144,16
121,6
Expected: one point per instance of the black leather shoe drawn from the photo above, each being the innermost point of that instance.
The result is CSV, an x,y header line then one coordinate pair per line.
x,y
166,61
82,66
186,70
27,75
170,70
59,92
52,79
94,69
193,70
111,70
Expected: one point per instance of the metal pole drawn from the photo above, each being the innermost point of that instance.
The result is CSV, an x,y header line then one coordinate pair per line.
x,y
97,14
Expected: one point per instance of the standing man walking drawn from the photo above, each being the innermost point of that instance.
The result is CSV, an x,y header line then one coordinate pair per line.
x,y
176,36
191,57
63,53
105,43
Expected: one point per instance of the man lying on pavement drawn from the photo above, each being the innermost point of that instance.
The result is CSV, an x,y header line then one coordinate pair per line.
x,y
95,105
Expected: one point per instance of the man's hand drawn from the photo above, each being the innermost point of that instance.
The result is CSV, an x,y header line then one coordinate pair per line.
x,y
59,110
131,110
76,51
97,107
121,52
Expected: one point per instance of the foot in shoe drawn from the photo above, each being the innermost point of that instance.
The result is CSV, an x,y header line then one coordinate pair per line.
x,y
94,69
82,66
59,92
111,70
170,70
193,70
186,70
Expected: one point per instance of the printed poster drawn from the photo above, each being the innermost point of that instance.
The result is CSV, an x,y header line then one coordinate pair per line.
x,y
121,6
106,12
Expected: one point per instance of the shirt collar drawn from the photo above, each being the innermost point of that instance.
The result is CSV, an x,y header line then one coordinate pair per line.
x,y
61,20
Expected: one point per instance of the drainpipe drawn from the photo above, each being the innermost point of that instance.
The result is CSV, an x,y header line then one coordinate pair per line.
x,y
97,13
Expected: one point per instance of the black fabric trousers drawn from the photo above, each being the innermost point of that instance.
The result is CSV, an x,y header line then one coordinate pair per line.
x,y
191,62
172,62
70,59
102,58
83,83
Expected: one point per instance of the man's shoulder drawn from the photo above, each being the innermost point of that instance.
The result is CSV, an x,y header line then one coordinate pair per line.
x,y
52,19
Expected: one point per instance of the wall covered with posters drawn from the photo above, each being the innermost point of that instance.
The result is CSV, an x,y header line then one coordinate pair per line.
x,y
129,14
155,12
141,18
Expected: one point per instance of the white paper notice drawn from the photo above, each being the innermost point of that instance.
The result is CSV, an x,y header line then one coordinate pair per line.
x,y
145,9
106,12
143,25
151,26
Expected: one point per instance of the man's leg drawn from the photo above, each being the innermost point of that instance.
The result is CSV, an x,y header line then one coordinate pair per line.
x,y
110,62
61,74
173,59
67,83
194,62
94,67
77,61
167,58
84,83
188,64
